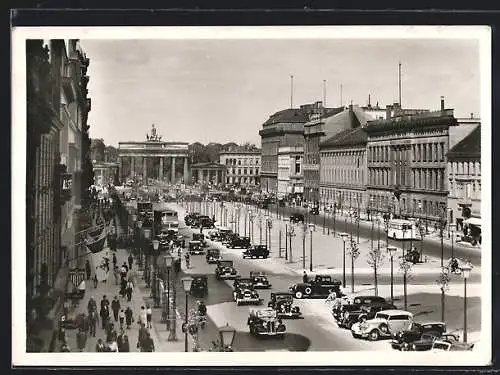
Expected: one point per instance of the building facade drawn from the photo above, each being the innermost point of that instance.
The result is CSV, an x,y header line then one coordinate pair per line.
x,y
343,170
208,173
242,167
464,184
290,174
283,129
407,160
105,173
154,159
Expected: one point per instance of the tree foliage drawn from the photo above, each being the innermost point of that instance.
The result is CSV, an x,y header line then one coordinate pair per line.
x,y
97,148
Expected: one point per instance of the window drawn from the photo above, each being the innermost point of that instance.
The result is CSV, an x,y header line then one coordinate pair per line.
x,y
244,171
424,152
239,161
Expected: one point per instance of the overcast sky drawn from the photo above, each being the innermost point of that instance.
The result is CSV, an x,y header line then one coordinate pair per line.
x,y
223,90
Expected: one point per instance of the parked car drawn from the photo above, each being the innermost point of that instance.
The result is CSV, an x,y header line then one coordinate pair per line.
x,y
365,312
205,222
200,237
265,322
403,340
256,251
320,287
213,256
383,325
282,303
260,280
241,242
195,248
225,270
340,311
297,218
213,235
439,345
199,286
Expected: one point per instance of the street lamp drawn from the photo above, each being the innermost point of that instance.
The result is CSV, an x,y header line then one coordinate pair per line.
x,y
156,245
312,228
250,225
466,269
291,233
186,283
266,221
167,261
227,334
392,250
146,276
139,244
443,281
344,239
269,227
452,228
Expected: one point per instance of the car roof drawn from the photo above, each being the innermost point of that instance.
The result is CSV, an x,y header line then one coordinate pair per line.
x,y
396,312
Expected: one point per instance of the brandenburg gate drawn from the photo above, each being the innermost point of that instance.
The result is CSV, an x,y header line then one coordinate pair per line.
x,y
154,159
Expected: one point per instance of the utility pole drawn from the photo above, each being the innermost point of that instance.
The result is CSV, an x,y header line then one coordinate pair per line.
x,y
399,84
291,91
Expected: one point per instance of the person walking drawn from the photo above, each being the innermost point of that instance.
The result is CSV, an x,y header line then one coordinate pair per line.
x,y
123,287
95,281
114,260
129,289
81,339
104,315
91,305
115,306
99,346
305,278
130,261
125,344
121,318
148,344
92,322
104,302
124,265
129,317
123,272
88,270
116,272
141,339
149,316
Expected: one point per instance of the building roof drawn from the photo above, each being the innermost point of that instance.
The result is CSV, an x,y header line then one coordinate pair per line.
x,y
414,121
469,147
208,164
348,137
344,119
288,115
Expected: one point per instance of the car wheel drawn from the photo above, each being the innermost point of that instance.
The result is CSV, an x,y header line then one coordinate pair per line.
x,y
374,335
414,347
308,290
405,347
384,329
298,295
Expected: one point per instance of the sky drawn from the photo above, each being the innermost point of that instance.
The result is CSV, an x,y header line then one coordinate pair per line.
x,y
223,90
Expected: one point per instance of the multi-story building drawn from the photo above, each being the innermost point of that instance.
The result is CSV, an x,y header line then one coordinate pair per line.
x,y
283,129
57,107
464,185
407,163
290,177
343,170
242,166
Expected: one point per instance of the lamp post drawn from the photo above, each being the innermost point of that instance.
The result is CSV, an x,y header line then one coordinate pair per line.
x,y
167,261
443,281
312,228
266,228
286,220
452,229
186,283
466,269
227,334
354,252
269,227
139,242
392,250
334,217
146,275
156,299
304,233
245,230
291,233
344,239
260,229
405,265
250,225
173,326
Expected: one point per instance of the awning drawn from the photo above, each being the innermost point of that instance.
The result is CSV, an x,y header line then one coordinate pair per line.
x,y
473,221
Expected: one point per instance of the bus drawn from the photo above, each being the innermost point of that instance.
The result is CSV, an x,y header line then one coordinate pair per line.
x,y
166,220
399,229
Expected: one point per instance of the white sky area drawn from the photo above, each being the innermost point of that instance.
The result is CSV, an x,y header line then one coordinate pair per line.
x,y
223,90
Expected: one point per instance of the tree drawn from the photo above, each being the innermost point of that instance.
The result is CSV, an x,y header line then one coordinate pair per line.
x,y
112,154
97,148
375,260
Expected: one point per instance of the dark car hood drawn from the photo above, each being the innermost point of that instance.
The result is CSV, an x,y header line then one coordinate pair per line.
x,y
303,285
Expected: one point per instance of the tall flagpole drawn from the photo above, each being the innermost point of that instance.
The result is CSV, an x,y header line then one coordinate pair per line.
x,y
324,92
341,101
399,84
291,91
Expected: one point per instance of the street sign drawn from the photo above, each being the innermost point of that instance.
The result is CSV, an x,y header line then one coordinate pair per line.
x,y
77,275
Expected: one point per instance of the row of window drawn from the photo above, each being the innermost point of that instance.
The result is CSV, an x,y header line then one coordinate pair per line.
x,y
422,152
418,178
354,158
245,171
243,180
342,198
415,206
466,168
353,176
242,161
465,190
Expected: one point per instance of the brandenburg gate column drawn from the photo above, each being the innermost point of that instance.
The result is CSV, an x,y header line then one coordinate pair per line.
x,y
160,175
132,166
216,177
173,171
144,169
186,172
200,175
120,168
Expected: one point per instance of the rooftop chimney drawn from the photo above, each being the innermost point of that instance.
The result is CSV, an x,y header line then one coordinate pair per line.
x,y
471,115
442,103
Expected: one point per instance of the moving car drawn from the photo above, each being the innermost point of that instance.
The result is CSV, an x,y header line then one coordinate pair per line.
x,y
282,303
241,242
403,340
320,286
297,218
383,325
265,322
241,282
365,312
200,237
199,286
256,251
195,248
260,280
246,294
225,270
213,256
340,311
213,235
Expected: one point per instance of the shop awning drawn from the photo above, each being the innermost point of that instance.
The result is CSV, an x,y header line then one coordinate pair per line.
x,y
473,221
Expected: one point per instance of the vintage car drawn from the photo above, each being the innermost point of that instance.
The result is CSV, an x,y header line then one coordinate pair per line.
x,y
314,211
224,233
213,235
227,238
260,280
256,251
265,322
199,286
241,242
403,340
225,270
213,256
282,303
426,341
246,294
340,311
195,248
320,287
297,218
190,218
383,325
200,237
364,312
412,256
438,346
241,282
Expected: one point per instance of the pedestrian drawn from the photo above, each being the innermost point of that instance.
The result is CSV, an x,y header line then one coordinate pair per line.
x,y
125,344
123,287
88,269
112,346
119,341
123,272
81,339
124,265
96,282
114,260
143,316
104,301
130,261
129,317
130,288
115,306
143,332
305,279
116,272
187,259
104,315
91,305
99,347
61,336
65,348
81,289
148,344
149,316
92,322
121,318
